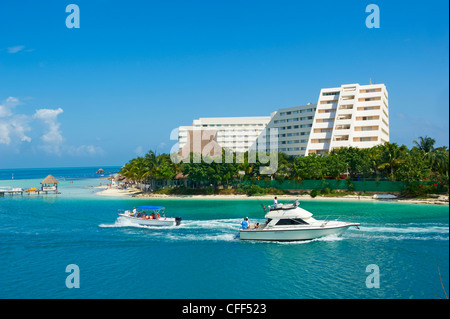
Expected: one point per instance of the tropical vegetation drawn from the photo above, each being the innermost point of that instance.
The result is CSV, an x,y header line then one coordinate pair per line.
x,y
423,169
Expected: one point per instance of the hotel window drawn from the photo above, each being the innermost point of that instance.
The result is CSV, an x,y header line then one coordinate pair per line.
x,y
330,93
282,113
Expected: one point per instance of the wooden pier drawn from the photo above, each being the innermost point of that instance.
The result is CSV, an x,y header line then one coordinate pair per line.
x,y
25,192
49,186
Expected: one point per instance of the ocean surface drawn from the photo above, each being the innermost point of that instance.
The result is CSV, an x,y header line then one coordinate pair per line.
x,y
41,235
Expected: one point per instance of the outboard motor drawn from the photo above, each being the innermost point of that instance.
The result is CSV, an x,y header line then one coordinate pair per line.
x,y
177,220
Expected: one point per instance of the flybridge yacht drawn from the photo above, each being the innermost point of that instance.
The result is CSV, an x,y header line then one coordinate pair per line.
x,y
291,223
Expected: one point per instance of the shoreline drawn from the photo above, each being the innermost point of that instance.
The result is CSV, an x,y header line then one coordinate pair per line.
x,y
137,194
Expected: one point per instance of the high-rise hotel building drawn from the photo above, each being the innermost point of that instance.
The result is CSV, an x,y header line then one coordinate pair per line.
x,y
351,115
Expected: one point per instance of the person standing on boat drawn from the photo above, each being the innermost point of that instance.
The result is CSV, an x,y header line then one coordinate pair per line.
x,y
275,202
134,211
245,223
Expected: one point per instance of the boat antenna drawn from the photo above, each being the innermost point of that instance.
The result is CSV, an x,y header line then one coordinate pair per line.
x,y
262,205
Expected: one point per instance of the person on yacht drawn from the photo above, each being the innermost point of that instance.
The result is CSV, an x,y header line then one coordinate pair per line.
x,y
245,223
275,202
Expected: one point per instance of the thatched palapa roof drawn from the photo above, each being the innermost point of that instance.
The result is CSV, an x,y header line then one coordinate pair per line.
x,y
49,180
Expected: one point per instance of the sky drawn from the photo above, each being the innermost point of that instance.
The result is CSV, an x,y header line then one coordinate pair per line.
x,y
133,71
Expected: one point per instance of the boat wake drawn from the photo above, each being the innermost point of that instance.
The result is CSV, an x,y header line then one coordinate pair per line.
x,y
188,230
329,238
402,232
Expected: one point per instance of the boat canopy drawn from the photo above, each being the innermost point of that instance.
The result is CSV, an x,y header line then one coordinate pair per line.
x,y
296,212
151,207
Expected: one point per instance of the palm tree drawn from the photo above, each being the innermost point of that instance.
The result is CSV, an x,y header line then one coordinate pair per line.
x,y
139,169
425,144
392,157
440,160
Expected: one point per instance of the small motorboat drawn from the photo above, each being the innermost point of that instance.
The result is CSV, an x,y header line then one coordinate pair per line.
x,y
292,223
150,216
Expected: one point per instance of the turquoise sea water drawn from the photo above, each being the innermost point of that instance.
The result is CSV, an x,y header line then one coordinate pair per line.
x,y
41,235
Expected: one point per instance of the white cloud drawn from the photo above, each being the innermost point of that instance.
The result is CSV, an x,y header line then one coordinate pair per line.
x,y
15,49
12,127
50,119
4,133
7,106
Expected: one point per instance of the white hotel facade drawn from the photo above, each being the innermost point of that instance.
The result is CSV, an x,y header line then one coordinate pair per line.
x,y
350,115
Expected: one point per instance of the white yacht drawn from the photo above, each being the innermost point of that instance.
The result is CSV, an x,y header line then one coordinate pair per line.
x,y
150,216
291,223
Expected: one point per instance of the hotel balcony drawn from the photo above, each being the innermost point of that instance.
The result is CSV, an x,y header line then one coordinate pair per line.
x,y
329,115
321,135
323,124
367,122
338,144
370,94
369,103
365,144
319,146
341,131
366,133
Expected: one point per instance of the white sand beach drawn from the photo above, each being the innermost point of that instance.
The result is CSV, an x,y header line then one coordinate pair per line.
x,y
137,194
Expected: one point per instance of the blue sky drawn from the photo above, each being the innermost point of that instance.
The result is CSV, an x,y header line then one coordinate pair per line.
x,y
135,70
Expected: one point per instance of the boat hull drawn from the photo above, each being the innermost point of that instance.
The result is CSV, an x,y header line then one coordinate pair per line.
x,y
291,234
163,221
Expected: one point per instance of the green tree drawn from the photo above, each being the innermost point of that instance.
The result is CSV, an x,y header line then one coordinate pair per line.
x,y
392,157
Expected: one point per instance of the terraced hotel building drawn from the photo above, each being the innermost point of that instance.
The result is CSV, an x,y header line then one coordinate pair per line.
x,y
350,115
